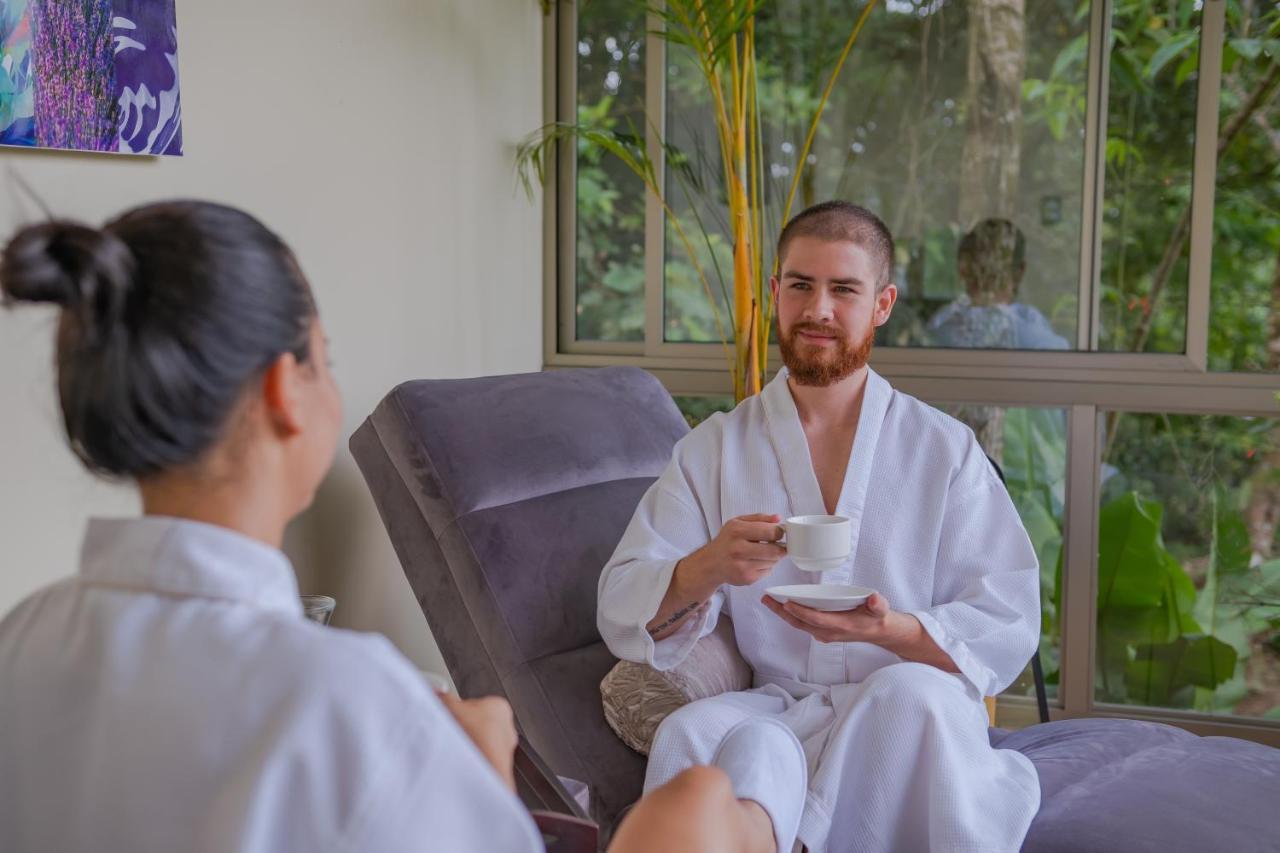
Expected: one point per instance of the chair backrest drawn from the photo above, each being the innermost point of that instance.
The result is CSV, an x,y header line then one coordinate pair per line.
x,y
504,497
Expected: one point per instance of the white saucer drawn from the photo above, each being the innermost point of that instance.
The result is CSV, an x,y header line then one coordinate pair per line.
x,y
822,596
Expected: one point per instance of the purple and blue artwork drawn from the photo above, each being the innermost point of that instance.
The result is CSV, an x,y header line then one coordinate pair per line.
x,y
90,75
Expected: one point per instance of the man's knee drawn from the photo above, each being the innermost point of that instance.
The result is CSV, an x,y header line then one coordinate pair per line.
x,y
690,723
917,686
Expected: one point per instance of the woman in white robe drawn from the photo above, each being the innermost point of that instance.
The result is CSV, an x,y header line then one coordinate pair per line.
x,y
898,751
171,696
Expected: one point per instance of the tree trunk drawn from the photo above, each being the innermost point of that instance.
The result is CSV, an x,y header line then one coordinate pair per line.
x,y
992,153
993,119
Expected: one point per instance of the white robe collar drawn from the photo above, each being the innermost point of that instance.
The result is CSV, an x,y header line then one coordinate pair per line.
x,y
181,558
798,476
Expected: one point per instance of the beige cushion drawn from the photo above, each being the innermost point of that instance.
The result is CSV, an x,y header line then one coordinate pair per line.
x,y
638,697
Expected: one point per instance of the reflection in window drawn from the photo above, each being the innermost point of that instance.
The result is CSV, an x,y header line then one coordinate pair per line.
x,y
1030,446
1244,330
991,261
944,119
610,198
1189,565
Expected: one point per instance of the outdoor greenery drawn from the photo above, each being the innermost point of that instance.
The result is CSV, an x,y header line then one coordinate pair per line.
x,y
714,41
1189,580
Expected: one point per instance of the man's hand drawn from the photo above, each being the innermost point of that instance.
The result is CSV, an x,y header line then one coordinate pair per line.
x,y
745,550
490,725
871,622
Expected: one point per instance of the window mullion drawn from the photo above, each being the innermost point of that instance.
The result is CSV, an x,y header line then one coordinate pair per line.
x,y
565,328
655,101
1078,618
554,193
1095,135
1204,180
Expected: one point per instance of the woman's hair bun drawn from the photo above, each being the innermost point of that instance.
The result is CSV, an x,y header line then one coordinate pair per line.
x,y
169,313
68,264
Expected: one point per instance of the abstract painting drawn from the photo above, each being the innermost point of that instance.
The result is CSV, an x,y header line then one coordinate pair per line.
x,y
90,75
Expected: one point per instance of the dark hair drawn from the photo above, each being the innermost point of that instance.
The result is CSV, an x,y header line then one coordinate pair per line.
x,y
167,312
994,252
845,221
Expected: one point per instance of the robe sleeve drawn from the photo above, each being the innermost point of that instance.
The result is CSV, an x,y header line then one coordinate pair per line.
x,y
429,787
666,528
986,600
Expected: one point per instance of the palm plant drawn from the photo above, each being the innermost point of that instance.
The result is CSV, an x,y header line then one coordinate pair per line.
x,y
720,36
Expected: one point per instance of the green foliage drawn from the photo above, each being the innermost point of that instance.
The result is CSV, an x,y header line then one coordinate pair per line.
x,y
1154,56
1151,650
697,409
1182,612
1172,631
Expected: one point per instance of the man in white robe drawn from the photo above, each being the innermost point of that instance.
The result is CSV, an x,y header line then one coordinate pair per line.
x,y
885,700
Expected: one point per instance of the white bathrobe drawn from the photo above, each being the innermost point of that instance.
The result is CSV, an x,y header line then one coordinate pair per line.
x,y
171,697
898,752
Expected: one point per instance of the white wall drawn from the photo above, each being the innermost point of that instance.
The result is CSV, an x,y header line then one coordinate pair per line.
x,y
377,139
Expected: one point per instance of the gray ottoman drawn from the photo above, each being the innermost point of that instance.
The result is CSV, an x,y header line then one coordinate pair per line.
x,y
1128,786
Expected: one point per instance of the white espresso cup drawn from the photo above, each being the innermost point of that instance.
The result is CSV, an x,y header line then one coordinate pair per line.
x,y
818,543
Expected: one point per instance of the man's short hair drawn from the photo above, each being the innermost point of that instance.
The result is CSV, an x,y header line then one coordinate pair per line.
x,y
834,221
993,255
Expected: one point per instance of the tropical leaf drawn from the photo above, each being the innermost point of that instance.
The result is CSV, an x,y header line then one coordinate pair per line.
x,y
1132,569
1169,51
1160,672
705,27
1248,48
535,152
1074,54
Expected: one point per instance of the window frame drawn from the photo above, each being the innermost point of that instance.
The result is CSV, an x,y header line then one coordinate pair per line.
x,y
1087,384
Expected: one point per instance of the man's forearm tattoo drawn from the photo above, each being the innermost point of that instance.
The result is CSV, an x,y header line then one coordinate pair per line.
x,y
676,617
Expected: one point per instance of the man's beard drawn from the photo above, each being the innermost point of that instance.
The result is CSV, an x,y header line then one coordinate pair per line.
x,y
809,365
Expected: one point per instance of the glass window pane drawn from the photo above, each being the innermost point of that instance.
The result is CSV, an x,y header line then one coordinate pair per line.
x,y
941,125
1189,564
1146,208
610,198
1244,329
1030,446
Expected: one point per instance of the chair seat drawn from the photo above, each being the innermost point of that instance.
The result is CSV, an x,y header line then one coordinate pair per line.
x,y
618,771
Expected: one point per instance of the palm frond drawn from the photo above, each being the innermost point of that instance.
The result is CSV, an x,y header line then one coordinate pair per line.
x,y
536,151
705,27
802,160
720,39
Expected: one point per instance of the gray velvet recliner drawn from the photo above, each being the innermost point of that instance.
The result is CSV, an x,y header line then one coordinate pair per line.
x,y
505,496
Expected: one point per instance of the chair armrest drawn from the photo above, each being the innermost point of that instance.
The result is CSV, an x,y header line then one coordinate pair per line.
x,y
564,833
539,788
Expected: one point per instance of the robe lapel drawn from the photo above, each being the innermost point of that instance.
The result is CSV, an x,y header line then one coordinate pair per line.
x,y
789,443
853,494
791,447
826,662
